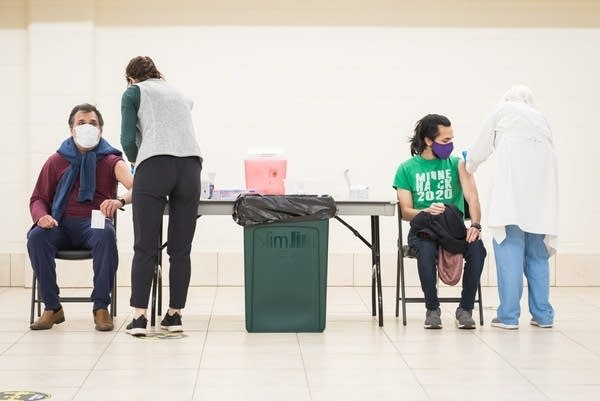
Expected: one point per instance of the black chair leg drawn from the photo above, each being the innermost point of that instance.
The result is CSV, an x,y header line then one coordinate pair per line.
x,y
398,284
33,300
113,299
153,298
39,302
160,285
480,301
403,289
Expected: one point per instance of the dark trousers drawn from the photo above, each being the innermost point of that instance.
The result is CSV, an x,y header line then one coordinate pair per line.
x,y
157,178
427,265
74,233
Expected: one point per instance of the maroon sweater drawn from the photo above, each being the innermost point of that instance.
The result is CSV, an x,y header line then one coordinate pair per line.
x,y
40,203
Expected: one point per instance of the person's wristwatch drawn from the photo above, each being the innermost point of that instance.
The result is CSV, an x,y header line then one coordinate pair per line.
x,y
476,225
122,201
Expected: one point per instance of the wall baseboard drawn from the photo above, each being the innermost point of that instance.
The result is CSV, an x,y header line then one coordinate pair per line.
x,y
345,269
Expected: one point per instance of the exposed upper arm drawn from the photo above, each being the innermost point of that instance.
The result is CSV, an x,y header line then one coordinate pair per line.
x,y
467,182
123,174
406,203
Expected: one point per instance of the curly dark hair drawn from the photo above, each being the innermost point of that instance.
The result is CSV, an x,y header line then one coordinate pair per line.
x,y
142,68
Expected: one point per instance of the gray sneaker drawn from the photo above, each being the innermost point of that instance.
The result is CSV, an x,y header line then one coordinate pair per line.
x,y
497,323
464,319
433,319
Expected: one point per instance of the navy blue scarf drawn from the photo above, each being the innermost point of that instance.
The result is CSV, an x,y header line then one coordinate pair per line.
x,y
82,164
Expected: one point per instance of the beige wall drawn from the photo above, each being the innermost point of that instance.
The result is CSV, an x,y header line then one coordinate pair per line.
x,y
14,152
406,13
337,84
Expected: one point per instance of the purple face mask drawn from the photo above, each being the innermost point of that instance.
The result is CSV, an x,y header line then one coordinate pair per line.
x,y
442,150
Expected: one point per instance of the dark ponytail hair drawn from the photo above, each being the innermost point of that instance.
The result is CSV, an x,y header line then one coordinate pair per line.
x,y
427,127
142,68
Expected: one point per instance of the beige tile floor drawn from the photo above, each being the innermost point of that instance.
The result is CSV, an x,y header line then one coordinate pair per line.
x,y
353,359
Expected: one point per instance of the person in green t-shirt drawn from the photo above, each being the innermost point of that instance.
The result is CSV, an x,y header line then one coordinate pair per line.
x,y
426,183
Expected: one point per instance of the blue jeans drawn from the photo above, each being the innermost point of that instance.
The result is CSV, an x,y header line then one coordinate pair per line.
x,y
523,253
74,233
427,266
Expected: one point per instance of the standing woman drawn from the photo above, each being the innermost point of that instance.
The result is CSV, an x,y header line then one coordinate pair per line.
x,y
158,137
523,206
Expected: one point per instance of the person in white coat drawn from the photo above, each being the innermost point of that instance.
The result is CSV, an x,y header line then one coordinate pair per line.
x,y
523,205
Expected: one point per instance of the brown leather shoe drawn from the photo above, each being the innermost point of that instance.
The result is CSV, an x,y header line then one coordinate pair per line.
x,y
48,319
103,320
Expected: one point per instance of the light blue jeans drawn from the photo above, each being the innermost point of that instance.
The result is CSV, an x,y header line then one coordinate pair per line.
x,y
523,253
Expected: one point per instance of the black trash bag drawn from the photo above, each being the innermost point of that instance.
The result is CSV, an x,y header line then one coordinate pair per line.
x,y
249,210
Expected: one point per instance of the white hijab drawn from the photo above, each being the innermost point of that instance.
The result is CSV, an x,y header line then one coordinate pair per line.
x,y
519,94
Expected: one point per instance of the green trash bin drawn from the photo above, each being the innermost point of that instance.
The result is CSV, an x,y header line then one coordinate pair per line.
x,y
285,260
286,276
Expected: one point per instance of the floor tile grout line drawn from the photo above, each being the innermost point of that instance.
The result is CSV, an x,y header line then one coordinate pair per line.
x,y
590,350
15,342
93,368
212,308
304,368
355,289
516,369
394,344
195,386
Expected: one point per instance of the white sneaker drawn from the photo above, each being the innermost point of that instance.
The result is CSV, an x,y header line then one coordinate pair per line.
x,y
499,324
543,326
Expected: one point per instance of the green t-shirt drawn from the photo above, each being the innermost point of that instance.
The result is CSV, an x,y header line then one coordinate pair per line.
x,y
431,181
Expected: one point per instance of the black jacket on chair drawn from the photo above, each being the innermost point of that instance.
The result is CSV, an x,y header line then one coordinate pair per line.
x,y
447,229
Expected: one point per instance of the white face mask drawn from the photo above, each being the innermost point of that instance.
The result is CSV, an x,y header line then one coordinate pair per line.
x,y
87,136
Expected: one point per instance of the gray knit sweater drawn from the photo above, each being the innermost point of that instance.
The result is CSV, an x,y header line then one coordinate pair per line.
x,y
164,122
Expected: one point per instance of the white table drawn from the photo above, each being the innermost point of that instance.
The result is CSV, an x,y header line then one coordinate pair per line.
x,y
374,209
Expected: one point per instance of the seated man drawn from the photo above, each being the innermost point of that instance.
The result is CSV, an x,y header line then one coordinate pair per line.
x,y
426,183
80,177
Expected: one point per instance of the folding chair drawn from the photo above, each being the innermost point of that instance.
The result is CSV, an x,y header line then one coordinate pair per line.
x,y
72,254
404,251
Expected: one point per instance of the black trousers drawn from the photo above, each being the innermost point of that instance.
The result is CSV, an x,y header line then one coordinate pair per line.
x,y
156,179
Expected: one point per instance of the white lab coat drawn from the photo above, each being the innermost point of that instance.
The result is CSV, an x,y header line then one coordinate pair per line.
x,y
524,187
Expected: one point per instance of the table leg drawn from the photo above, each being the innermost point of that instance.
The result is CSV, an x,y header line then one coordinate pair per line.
x,y
375,243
